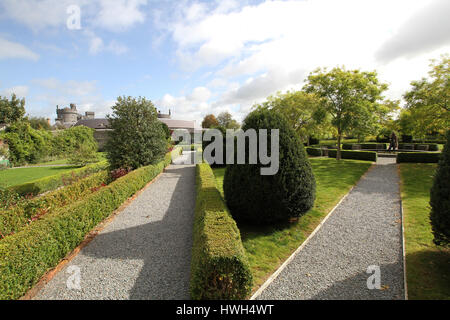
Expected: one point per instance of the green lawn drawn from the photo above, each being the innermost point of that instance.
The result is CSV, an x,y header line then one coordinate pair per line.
x,y
12,177
427,266
268,247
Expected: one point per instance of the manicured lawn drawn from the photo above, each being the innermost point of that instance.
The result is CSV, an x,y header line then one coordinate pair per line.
x,y
268,247
427,266
12,177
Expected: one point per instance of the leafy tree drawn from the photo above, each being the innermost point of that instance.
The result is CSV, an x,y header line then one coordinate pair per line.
x,y
166,130
209,121
351,98
83,155
302,111
137,138
428,99
440,199
11,110
226,120
39,123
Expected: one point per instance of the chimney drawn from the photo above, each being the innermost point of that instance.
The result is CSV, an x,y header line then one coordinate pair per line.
x,y
48,121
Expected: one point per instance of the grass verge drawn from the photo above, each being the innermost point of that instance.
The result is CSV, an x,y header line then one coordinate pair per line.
x,y
427,265
268,247
14,177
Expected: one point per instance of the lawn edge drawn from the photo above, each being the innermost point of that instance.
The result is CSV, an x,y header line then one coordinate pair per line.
x,y
400,187
303,244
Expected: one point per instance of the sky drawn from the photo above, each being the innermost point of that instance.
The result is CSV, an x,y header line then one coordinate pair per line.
x,y
201,57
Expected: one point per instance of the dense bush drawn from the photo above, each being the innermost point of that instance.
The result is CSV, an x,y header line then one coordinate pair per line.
x,y
29,253
365,146
219,266
11,110
73,140
431,146
13,218
262,199
315,152
418,157
356,155
407,138
137,138
52,182
440,199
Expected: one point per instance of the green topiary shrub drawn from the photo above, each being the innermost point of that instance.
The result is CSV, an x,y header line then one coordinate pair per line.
x,y
355,155
440,199
314,152
418,157
262,199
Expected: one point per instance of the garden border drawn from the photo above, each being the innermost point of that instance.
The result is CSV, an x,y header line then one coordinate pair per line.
x,y
400,186
311,235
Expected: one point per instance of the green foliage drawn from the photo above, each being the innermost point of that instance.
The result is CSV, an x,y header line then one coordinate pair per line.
x,y
428,100
219,266
39,123
418,157
83,156
264,199
26,255
209,121
355,155
24,211
166,130
51,183
416,146
440,198
315,152
138,138
11,110
226,120
351,98
365,146
302,111
73,140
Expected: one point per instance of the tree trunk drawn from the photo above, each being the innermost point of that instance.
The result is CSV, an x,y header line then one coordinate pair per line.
x,y
338,153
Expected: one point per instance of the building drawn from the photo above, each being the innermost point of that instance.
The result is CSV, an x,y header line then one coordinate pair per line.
x,y
69,116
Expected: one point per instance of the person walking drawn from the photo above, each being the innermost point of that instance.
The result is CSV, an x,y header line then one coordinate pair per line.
x,y
393,145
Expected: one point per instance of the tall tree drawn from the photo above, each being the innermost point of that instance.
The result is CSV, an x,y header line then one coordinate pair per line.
x,y
350,97
428,99
226,120
11,110
301,110
137,138
209,121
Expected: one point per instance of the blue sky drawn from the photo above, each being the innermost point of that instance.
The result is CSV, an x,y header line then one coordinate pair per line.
x,y
200,57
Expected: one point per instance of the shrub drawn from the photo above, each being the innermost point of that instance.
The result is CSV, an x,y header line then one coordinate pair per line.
x,y
79,139
407,138
315,152
418,157
219,266
29,253
206,143
431,146
365,146
440,199
356,155
263,199
137,138
52,182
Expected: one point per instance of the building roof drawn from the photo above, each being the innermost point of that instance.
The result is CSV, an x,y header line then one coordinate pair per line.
x,y
101,123
178,124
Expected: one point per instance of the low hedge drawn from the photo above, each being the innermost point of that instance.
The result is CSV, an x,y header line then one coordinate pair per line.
x,y
53,182
418,157
431,146
31,252
315,152
14,218
356,155
219,266
365,146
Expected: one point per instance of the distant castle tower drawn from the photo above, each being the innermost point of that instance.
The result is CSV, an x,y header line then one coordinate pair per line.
x,y
70,116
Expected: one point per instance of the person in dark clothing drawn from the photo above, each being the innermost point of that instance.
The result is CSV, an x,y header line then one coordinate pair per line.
x,y
393,145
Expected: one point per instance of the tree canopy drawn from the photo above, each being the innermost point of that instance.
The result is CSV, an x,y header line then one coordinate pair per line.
x,y
226,120
210,121
11,110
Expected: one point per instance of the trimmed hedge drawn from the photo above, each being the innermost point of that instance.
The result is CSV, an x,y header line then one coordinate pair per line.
x,y
315,152
15,218
356,155
365,146
53,182
418,157
219,266
28,254
431,146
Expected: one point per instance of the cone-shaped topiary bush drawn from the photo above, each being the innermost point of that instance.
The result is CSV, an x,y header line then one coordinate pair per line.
x,y
263,199
440,199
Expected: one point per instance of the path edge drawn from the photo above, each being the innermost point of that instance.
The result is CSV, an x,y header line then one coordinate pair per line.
x,y
400,185
311,235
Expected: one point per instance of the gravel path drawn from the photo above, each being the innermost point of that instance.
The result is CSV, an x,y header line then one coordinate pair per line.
x,y
145,252
364,230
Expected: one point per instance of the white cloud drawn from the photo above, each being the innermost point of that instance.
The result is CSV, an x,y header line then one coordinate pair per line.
x,y
14,50
19,91
96,45
119,15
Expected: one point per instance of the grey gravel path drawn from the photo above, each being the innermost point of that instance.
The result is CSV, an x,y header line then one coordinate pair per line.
x,y
145,252
364,230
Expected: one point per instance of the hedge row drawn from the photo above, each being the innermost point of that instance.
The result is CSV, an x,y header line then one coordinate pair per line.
x,y
219,266
365,146
418,157
431,146
430,141
315,152
28,254
53,182
14,218
356,155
